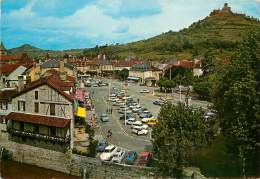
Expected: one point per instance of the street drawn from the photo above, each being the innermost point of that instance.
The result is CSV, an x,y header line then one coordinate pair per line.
x,y
121,134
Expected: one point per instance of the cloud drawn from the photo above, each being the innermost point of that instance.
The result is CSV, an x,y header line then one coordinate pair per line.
x,y
102,21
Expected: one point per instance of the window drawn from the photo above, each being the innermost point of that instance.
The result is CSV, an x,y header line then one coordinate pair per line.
x,y
52,109
5,105
36,129
21,105
36,107
36,94
21,126
53,131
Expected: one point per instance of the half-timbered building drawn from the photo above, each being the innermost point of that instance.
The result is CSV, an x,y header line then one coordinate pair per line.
x,y
42,115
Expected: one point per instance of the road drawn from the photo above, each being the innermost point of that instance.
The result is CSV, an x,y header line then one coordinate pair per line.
x,y
122,135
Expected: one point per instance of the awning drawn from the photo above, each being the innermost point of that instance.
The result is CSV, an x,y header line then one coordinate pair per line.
x,y
81,112
133,78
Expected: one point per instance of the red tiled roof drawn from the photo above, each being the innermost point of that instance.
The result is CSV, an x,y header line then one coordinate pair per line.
x,y
186,64
53,81
8,68
8,57
37,119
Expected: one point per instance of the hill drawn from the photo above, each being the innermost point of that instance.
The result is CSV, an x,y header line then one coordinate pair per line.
x,y
219,33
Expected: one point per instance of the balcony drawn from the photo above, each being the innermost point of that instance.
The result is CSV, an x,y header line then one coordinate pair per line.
x,y
38,136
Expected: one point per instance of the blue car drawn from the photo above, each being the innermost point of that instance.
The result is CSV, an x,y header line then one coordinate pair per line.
x,y
131,157
102,145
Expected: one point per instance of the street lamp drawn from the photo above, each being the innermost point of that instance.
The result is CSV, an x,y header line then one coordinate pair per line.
x,y
180,86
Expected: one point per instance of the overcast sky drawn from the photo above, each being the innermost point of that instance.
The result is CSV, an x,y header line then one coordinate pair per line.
x,y
66,24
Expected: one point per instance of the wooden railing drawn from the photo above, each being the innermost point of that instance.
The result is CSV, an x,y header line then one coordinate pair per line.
x,y
38,136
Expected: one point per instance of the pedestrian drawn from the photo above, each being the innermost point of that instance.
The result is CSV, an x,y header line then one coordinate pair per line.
x,y
111,110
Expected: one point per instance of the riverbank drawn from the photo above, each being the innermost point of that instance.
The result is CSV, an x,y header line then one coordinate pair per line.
x,y
11,169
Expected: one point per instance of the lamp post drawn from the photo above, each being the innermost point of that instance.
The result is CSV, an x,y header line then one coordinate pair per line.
x,y
180,87
125,95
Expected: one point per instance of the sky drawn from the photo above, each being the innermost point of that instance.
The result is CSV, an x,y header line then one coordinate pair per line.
x,y
68,24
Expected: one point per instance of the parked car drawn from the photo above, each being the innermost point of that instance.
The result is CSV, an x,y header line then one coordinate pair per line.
x,y
136,109
142,110
146,115
119,156
145,120
108,153
158,102
131,157
152,122
128,115
139,131
137,123
145,91
145,158
144,126
102,145
130,121
104,117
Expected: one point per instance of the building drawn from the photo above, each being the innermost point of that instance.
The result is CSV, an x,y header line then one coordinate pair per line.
x,y
145,73
6,95
37,71
42,115
9,75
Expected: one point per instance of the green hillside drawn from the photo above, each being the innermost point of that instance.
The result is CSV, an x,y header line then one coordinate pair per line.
x,y
219,33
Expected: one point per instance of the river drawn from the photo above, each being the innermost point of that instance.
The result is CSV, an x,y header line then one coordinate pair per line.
x,y
15,170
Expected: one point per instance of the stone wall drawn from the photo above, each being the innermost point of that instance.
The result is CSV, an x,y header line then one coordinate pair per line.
x,y
71,163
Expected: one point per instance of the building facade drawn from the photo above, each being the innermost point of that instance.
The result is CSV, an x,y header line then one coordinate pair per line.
x,y
42,116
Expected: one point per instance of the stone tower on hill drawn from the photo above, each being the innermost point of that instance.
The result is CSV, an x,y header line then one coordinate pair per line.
x,y
225,10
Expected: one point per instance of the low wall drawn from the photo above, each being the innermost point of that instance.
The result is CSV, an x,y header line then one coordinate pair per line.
x,y
71,163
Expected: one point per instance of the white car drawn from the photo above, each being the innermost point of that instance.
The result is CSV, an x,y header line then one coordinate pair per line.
x,y
112,99
137,123
145,91
136,109
145,120
118,156
140,127
130,121
140,132
108,153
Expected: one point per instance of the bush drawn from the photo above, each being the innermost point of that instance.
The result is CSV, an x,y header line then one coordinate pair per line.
x,y
92,149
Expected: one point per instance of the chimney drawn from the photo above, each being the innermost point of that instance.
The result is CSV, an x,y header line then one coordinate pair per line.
x,y
20,82
62,63
63,74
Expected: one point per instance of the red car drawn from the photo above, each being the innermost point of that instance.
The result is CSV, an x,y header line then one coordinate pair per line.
x,y
145,158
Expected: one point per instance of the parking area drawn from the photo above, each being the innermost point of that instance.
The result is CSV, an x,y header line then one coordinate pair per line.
x,y
123,114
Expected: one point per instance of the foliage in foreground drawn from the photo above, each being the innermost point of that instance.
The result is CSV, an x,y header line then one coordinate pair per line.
x,y
237,99
179,132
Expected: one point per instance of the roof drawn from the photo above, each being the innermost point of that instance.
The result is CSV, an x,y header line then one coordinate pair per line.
x,y
8,68
8,58
38,119
145,154
55,64
7,94
53,81
186,64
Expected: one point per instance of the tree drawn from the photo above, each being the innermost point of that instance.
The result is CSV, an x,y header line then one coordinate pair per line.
x,y
237,99
160,83
177,134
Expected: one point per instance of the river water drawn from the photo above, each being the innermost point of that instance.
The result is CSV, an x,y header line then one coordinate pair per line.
x,y
15,170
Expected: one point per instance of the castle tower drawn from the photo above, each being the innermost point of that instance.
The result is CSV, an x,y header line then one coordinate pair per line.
x,y
3,51
226,8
